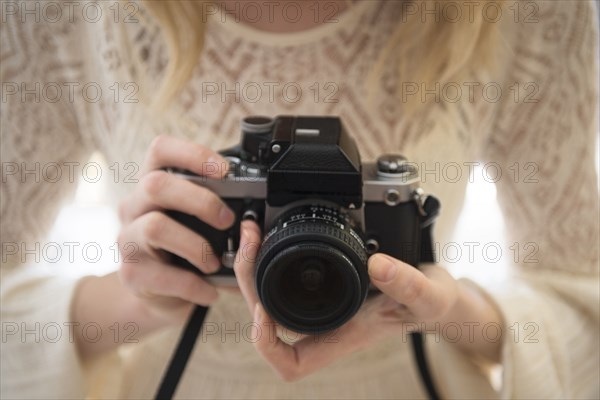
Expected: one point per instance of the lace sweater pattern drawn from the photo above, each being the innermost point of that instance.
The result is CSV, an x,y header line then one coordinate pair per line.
x,y
74,84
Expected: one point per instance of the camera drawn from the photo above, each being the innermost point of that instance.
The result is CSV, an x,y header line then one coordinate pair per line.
x,y
323,213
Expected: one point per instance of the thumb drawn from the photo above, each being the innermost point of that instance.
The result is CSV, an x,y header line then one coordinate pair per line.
x,y
244,267
406,284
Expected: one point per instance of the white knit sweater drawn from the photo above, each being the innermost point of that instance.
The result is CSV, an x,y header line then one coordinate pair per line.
x,y
551,205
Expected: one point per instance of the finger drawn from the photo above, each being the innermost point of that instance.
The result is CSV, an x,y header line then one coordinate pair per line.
x,y
244,265
407,285
294,362
282,357
162,190
168,151
152,278
155,231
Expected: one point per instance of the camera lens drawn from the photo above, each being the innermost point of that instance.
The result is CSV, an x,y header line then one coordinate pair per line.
x,y
311,270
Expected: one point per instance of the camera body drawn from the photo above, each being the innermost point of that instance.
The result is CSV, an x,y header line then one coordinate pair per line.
x,y
323,211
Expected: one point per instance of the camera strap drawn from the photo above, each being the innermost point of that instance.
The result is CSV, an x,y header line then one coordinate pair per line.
x,y
430,210
189,336
193,328
180,358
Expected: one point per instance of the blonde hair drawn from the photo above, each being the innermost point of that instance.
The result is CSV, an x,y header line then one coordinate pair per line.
x,y
426,48
182,23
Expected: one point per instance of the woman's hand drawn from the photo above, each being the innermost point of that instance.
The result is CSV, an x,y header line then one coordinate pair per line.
x,y
412,300
167,291
147,293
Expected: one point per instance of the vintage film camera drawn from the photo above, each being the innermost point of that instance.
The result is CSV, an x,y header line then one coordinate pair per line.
x,y
323,213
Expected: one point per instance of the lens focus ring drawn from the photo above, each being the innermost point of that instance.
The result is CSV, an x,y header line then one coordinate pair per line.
x,y
307,228
287,272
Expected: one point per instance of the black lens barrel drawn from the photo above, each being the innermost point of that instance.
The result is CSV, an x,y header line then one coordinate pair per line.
x,y
311,271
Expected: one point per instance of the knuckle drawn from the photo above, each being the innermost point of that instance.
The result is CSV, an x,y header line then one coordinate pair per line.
x,y
128,248
122,238
123,209
153,225
155,182
156,146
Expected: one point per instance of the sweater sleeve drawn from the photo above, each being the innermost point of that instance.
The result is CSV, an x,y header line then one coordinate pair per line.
x,y
42,154
545,145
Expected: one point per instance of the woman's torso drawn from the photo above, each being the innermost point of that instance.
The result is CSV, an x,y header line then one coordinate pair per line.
x,y
242,72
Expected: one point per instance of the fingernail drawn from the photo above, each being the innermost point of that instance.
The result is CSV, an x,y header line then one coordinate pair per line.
x,y
382,269
217,159
226,216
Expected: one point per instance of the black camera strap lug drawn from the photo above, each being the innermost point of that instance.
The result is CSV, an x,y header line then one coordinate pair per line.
x,y
428,207
431,209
